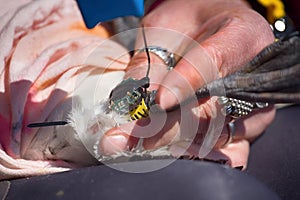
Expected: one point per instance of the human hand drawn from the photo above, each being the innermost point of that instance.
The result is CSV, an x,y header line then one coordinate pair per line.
x,y
228,35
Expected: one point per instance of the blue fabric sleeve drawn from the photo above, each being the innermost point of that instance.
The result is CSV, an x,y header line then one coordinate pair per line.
x,y
96,11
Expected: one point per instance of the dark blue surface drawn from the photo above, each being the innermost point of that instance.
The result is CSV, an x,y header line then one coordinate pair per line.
x,y
95,11
184,179
275,156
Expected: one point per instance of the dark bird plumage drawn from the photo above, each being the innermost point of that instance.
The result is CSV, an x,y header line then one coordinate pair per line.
x,y
272,76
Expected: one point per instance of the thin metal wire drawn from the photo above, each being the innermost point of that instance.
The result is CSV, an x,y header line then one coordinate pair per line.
x,y
147,50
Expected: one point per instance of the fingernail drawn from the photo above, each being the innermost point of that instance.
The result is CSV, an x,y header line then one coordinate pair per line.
x,y
113,144
239,168
217,156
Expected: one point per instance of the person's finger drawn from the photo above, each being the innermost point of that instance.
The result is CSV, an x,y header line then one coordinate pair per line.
x,y
249,127
162,129
246,130
193,125
115,141
234,44
236,152
138,66
192,18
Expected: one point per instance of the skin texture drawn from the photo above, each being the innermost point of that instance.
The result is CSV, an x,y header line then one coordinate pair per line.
x,y
229,34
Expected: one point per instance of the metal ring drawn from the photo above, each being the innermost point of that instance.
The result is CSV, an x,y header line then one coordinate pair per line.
x,y
164,54
231,132
236,108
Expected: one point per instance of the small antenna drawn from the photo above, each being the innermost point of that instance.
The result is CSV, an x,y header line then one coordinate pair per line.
x,y
147,50
62,123
45,124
